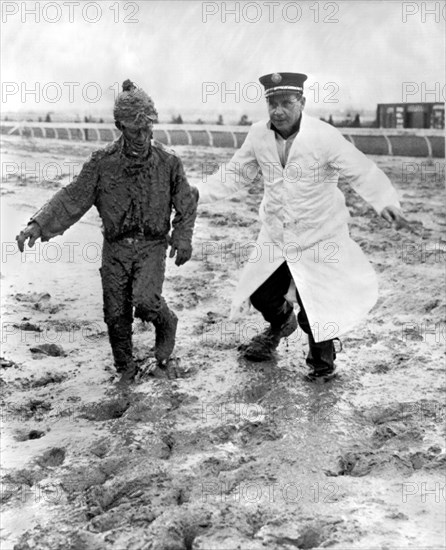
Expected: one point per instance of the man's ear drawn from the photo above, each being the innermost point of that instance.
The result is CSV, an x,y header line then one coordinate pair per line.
x,y
303,100
118,125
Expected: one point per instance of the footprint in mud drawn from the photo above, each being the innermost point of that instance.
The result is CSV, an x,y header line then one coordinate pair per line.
x,y
53,350
45,536
258,432
51,458
28,327
306,533
40,301
419,411
105,410
361,463
432,304
101,447
26,435
32,297
179,528
14,481
431,459
33,408
84,540
7,364
398,431
214,465
47,378
211,318
118,498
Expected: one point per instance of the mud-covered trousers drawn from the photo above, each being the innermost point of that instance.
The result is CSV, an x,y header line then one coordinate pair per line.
x,y
270,300
132,276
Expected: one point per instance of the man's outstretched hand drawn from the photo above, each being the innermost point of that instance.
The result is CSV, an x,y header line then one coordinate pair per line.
x,y
31,232
394,216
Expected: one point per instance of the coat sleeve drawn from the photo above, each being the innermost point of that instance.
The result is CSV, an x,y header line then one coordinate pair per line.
x,y
185,205
231,176
369,181
69,204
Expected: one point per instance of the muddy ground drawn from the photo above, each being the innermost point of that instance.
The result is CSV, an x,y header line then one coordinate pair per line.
x,y
222,454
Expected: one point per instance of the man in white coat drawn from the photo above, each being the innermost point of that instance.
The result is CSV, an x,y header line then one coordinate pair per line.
x,y
304,253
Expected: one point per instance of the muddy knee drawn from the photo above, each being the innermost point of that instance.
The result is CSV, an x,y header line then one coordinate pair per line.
x,y
149,308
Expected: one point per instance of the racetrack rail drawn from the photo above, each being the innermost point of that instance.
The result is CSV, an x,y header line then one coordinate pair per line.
x,y
373,141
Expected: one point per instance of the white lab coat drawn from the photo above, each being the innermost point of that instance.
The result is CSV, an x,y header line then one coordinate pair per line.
x,y
304,220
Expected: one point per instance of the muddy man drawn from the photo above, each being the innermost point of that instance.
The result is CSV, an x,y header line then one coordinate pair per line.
x,y
135,184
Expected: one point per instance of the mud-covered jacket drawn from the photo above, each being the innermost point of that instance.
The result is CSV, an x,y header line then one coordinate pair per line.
x,y
131,196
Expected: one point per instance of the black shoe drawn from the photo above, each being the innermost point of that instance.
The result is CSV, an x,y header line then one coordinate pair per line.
x,y
263,346
260,348
321,376
320,360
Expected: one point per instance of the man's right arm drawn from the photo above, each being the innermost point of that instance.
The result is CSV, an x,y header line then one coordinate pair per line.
x,y
65,208
231,176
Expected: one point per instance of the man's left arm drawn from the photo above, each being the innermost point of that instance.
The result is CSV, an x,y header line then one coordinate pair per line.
x,y
369,181
185,200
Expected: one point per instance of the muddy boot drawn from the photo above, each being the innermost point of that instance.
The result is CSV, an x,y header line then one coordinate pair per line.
x,y
165,330
320,360
127,374
263,346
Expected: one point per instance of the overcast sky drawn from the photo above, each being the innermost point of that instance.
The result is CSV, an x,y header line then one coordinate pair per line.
x,y
361,51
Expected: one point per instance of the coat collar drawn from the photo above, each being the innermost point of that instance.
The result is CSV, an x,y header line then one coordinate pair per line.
x,y
303,120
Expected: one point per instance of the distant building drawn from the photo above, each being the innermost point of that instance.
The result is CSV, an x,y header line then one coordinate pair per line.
x,y
410,115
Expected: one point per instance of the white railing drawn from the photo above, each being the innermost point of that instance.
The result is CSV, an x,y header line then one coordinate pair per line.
x,y
229,136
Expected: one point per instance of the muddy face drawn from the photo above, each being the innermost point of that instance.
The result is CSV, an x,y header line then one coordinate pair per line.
x,y
137,136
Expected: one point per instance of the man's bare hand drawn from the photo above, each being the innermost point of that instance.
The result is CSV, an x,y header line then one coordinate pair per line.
x,y
31,232
394,216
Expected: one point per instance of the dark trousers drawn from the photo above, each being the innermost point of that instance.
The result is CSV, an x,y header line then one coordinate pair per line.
x,y
269,299
132,275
